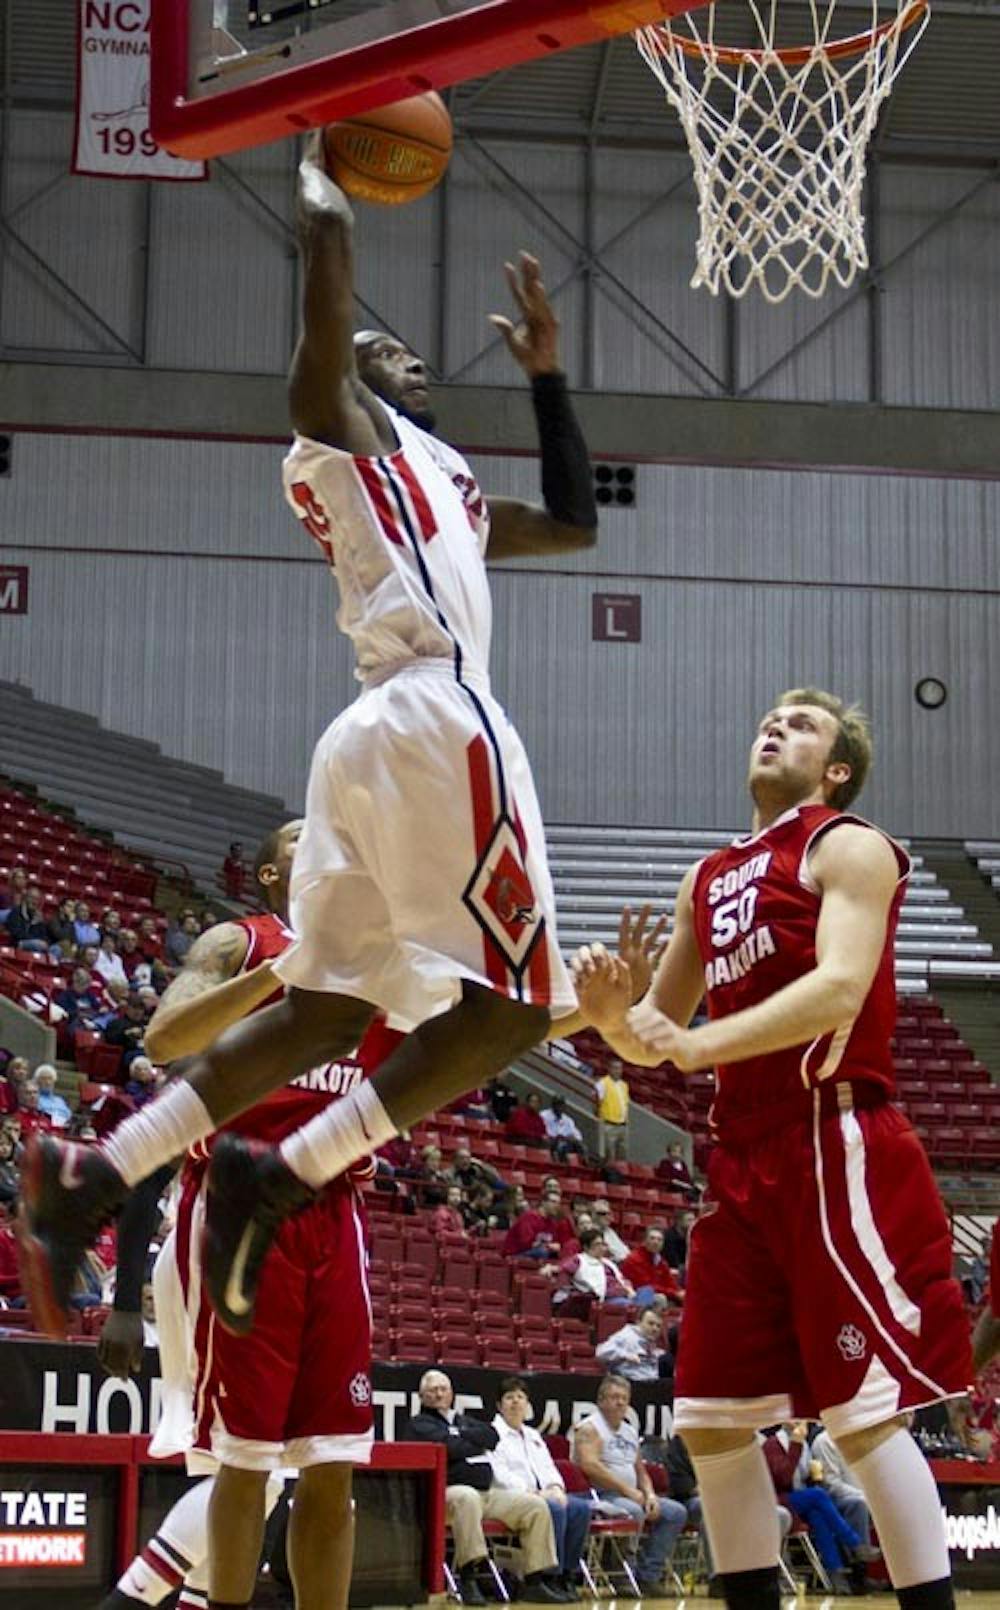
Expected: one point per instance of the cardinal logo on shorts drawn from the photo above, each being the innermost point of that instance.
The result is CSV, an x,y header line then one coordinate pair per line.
x,y
500,896
852,1343
360,1390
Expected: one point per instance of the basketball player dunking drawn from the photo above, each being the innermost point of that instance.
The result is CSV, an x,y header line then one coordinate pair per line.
x,y
297,1391
420,884
819,1272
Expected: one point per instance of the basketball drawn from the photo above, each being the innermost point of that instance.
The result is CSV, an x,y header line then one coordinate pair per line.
x,y
392,154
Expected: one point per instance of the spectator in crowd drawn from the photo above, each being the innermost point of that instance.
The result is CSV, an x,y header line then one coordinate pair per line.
x,y
482,1212
208,918
675,1240
836,1541
25,925
447,1217
606,1447
617,1248
636,1350
55,1107
150,1334
142,1083
60,931
540,1234
13,892
502,1099
29,1112
674,1172
234,872
525,1126
522,1463
109,964
148,997
10,1273
150,943
10,1178
85,930
474,1104
611,1107
128,1029
648,1269
114,994
471,1495
563,1133
12,1126
591,1272
131,957
468,1171
839,1481
8,1093
401,1155
18,1070
111,923
430,1178
181,938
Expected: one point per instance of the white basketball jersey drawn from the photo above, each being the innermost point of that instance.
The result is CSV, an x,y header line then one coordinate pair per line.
x,y
405,535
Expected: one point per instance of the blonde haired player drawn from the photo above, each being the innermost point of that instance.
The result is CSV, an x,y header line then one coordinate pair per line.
x,y
819,1272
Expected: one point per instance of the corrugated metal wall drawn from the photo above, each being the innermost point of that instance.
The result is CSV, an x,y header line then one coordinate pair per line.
x,y
207,279
211,628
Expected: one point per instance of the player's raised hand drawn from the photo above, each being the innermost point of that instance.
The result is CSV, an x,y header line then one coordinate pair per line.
x,y
603,985
119,1347
534,340
640,950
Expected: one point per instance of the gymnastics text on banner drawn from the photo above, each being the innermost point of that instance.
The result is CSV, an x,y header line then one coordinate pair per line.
x,y
112,96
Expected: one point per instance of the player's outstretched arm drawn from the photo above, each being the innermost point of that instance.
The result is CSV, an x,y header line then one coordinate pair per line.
x,y
208,995
327,400
640,948
569,517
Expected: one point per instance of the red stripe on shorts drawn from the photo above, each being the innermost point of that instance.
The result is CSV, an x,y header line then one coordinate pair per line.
x,y
421,506
483,821
371,478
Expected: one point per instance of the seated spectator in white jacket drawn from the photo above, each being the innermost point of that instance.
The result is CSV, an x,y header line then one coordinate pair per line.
x,y
563,1132
54,1106
522,1463
108,963
592,1272
635,1351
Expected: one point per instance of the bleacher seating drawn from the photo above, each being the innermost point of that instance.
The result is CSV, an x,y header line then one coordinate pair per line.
x,y
985,854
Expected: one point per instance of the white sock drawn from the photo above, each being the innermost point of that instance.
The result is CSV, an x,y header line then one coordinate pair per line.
x,y
906,1509
338,1136
179,1546
162,1131
737,1498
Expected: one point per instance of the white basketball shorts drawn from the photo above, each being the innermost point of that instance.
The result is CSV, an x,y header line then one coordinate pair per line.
x,y
422,862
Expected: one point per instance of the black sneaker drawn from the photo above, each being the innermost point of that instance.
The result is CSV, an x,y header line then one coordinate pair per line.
x,y
251,1192
68,1194
468,1587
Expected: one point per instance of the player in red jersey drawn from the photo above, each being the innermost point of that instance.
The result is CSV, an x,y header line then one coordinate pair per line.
x,y
819,1272
297,1392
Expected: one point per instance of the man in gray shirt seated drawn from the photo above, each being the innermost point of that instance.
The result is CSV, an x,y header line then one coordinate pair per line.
x,y
635,1350
606,1447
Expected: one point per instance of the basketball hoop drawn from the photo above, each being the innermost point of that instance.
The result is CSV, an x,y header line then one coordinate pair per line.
x,y
779,136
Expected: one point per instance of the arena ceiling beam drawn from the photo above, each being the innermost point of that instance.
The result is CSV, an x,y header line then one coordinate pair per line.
x,y
103,398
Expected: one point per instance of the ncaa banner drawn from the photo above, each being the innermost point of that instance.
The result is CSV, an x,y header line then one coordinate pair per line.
x,y
112,96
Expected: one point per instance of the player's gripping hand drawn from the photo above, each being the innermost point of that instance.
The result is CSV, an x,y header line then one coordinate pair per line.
x,y
534,340
119,1348
603,985
660,1034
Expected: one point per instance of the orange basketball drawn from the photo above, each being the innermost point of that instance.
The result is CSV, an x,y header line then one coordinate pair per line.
x,y
392,154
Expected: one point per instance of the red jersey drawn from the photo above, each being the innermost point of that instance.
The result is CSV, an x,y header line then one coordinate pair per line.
x,y
292,1105
756,907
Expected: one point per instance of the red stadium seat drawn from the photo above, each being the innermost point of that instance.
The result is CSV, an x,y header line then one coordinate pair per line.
x,y
541,1355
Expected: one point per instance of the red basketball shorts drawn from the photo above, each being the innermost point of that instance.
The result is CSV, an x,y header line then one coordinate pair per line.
x,y
297,1390
819,1279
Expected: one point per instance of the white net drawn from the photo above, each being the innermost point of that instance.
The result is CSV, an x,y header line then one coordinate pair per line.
x,y
779,137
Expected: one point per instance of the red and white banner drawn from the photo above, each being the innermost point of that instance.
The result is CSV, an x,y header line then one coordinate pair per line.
x,y
112,96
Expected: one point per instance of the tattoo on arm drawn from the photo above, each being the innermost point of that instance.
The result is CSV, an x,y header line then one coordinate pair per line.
x,y
214,958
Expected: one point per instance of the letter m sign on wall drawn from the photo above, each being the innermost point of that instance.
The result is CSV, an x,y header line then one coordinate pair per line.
x,y
13,589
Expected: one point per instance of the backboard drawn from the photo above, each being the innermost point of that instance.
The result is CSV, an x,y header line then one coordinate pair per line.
x,y
227,74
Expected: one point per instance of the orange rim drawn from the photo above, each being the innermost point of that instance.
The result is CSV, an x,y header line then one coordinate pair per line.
x,y
797,56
